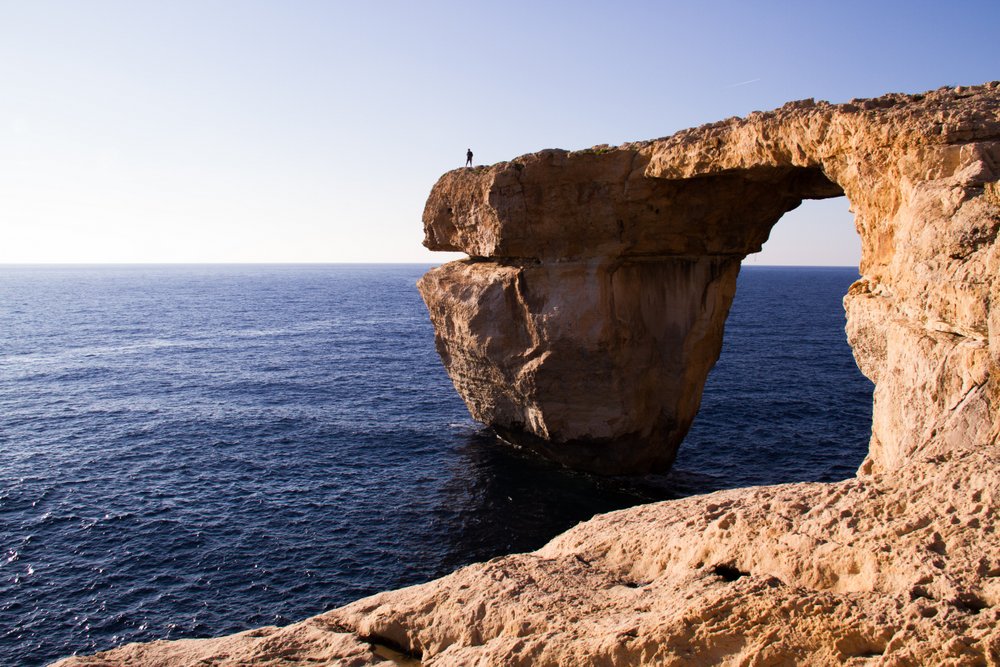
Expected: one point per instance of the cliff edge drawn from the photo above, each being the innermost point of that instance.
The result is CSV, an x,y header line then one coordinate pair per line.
x,y
592,307
584,323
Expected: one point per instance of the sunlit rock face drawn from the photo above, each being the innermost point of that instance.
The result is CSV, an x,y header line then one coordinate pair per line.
x,y
592,339
589,361
592,307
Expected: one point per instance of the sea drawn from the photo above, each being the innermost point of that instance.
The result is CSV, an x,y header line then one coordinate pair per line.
x,y
190,451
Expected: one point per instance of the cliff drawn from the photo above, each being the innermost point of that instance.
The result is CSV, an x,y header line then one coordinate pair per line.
x,y
592,310
584,324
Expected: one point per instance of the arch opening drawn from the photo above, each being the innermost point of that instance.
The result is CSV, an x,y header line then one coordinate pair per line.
x,y
786,401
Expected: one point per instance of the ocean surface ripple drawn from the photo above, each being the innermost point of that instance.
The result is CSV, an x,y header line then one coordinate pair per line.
x,y
190,451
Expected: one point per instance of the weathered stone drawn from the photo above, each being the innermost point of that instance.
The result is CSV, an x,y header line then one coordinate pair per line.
x,y
899,566
579,342
601,354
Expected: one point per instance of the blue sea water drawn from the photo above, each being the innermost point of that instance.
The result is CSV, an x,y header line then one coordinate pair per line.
x,y
189,451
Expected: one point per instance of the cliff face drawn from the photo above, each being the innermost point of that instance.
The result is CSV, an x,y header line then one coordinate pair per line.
x,y
596,363
585,324
592,308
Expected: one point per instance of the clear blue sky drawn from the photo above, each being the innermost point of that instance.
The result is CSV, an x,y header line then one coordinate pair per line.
x,y
141,131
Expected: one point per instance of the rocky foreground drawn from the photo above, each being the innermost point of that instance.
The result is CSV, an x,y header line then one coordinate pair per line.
x,y
584,325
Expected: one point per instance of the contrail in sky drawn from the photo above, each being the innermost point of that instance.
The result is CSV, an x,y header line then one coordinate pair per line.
x,y
742,83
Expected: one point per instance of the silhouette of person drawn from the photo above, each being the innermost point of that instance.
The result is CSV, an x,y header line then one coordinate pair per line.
x,y
468,157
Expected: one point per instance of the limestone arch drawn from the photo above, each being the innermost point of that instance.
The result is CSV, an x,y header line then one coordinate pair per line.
x,y
592,305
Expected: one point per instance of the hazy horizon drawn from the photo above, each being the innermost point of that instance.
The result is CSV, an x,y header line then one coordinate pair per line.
x,y
431,264
254,132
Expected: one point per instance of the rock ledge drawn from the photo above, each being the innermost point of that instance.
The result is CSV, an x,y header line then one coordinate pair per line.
x,y
575,258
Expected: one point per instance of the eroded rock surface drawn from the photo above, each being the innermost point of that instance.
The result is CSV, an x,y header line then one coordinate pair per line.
x,y
900,569
900,566
600,353
592,309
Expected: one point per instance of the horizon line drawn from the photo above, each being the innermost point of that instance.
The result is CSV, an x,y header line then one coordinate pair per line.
x,y
341,263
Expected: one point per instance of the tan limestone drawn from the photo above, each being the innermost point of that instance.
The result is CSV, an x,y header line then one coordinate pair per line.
x,y
899,566
559,234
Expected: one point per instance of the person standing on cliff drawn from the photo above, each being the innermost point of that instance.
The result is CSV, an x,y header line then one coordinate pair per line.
x,y
468,157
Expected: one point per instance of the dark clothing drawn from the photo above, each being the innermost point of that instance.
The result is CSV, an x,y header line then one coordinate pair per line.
x,y
468,158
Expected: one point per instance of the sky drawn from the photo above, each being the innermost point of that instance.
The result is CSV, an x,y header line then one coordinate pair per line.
x,y
295,131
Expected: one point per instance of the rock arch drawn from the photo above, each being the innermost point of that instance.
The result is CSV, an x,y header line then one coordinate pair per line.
x,y
899,568
592,306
